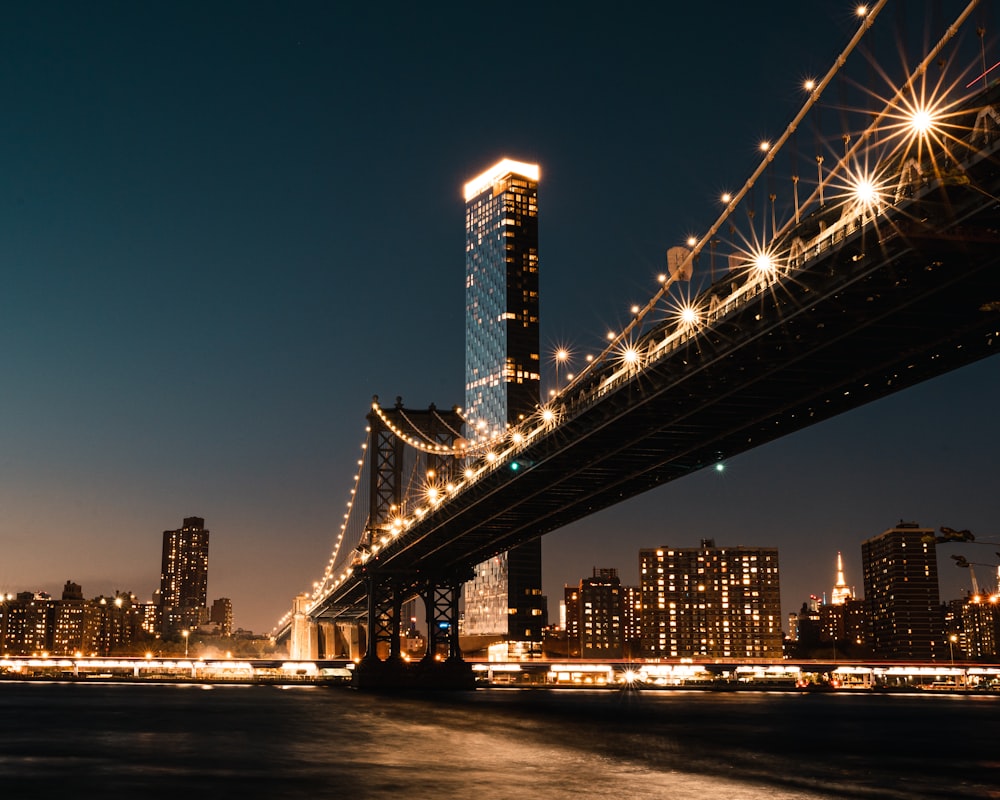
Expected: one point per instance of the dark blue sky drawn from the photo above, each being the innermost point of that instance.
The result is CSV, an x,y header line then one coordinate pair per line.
x,y
224,227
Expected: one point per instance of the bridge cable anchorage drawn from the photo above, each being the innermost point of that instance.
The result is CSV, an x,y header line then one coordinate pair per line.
x,y
616,342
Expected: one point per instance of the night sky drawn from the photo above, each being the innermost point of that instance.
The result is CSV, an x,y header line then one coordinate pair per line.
x,y
225,226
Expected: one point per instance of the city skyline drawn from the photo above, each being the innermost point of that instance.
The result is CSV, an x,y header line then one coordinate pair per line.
x,y
202,298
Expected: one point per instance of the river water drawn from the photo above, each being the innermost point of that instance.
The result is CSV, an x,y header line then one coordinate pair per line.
x,y
151,741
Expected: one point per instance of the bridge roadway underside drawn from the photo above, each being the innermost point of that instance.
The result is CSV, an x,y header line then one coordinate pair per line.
x,y
882,310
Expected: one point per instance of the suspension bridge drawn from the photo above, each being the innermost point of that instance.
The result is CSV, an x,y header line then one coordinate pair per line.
x,y
887,274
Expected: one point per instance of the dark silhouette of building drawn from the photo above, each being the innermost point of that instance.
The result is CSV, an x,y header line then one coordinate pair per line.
x,y
595,616
184,577
901,592
221,616
502,379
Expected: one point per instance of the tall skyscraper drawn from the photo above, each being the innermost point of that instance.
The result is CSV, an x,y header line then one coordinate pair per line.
x,y
901,590
503,376
711,602
184,576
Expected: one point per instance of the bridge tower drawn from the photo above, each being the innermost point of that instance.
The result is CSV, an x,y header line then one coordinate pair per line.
x,y
304,642
410,460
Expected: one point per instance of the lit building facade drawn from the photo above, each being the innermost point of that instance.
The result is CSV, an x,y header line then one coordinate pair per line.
x,y
594,626
26,623
631,621
972,623
502,365
184,577
711,602
571,607
35,623
502,378
901,592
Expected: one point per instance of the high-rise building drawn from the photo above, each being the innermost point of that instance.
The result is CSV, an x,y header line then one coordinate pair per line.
x,y
901,591
631,621
571,608
711,602
502,365
594,616
503,378
600,610
184,577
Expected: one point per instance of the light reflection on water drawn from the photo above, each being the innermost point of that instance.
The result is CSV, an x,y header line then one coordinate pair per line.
x,y
156,741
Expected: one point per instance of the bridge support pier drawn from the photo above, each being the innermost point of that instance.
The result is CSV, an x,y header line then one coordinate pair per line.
x,y
347,640
303,642
441,668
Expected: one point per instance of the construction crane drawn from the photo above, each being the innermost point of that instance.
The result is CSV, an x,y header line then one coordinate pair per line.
x,y
964,563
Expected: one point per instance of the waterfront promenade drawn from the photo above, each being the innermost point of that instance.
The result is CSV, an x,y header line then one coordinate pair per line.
x,y
682,674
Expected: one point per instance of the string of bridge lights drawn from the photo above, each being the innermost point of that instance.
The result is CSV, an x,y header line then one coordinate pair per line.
x,y
862,190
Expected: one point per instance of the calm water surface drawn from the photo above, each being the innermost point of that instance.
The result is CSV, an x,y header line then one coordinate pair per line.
x,y
78,740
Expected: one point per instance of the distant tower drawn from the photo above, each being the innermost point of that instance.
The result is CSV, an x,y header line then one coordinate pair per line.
x,y
901,591
184,577
841,591
503,377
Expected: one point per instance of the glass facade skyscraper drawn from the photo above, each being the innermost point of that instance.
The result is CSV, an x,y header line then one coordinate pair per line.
x,y
503,373
502,366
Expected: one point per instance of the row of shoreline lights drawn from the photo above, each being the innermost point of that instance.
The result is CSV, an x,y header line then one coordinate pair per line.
x,y
922,120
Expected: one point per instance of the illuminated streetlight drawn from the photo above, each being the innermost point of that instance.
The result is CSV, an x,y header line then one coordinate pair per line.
x,y
185,633
951,647
726,197
763,263
865,192
809,85
921,121
561,357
